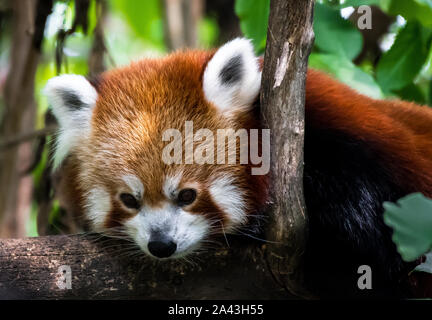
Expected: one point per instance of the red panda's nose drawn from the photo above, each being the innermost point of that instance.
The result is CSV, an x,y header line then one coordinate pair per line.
x,y
162,248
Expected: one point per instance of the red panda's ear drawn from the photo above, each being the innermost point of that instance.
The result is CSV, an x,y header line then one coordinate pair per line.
x,y
232,77
71,98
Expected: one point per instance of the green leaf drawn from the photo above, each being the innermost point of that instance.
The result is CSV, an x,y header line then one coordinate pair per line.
x,y
412,93
420,10
346,71
253,15
411,220
425,266
400,65
430,93
335,35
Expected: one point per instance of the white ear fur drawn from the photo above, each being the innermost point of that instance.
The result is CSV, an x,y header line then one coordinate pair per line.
x,y
72,99
232,78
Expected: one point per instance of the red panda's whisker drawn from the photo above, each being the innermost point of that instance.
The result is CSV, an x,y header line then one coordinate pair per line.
x,y
256,238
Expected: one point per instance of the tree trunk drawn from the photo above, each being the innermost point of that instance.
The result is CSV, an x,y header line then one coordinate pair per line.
x,y
289,42
181,23
96,58
227,20
18,117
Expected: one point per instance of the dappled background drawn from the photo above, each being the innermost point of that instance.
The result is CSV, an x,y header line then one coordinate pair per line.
x,y
41,39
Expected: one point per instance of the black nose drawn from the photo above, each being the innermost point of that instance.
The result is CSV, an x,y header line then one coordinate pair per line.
x,y
162,248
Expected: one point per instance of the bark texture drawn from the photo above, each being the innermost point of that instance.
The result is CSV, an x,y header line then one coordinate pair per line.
x,y
289,42
106,269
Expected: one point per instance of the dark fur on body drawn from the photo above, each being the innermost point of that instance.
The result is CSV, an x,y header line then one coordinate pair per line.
x,y
344,190
359,152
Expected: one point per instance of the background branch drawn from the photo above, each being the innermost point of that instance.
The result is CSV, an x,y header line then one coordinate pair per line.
x,y
24,137
29,19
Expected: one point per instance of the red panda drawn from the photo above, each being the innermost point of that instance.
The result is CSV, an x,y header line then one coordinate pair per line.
x,y
359,152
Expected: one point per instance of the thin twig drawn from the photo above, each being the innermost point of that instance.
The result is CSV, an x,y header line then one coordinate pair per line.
x,y
15,141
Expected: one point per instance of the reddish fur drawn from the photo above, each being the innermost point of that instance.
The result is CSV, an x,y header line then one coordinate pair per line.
x,y
399,132
138,102
135,105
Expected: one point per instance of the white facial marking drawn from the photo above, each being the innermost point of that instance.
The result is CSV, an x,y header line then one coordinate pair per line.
x,y
98,204
185,229
72,99
229,197
135,184
240,86
171,184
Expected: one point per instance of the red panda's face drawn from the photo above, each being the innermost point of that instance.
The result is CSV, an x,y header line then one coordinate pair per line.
x,y
139,169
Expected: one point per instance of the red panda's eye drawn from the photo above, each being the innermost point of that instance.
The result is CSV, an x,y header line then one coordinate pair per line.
x,y
129,201
186,196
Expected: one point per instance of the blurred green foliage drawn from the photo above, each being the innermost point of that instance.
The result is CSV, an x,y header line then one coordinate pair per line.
x,y
345,70
335,35
419,10
404,71
253,15
399,66
208,32
143,17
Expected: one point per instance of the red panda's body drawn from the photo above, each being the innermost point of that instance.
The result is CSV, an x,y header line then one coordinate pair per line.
x,y
399,132
359,152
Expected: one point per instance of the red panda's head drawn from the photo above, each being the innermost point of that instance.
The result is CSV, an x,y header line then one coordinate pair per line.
x,y
133,174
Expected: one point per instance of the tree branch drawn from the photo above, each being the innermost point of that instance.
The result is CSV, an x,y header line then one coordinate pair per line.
x,y
24,137
104,269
